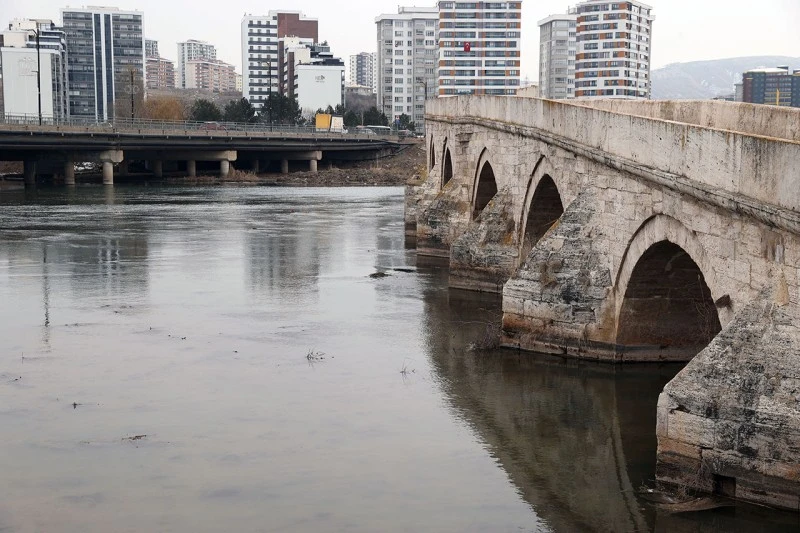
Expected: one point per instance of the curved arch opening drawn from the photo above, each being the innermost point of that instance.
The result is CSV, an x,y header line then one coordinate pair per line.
x,y
545,210
447,169
432,155
667,312
485,191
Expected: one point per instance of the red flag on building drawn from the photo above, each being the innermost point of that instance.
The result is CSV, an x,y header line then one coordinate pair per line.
x,y
467,47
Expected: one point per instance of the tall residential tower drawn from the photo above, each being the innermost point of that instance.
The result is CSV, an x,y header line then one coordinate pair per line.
x,y
363,70
613,56
479,47
557,48
262,50
105,59
407,53
189,51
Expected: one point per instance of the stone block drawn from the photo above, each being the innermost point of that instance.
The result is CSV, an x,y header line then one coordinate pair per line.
x,y
692,429
547,311
676,447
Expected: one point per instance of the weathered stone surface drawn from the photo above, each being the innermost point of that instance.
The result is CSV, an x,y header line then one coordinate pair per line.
x,y
738,401
487,253
670,232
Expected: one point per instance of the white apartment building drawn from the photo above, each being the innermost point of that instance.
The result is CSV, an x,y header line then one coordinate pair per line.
x,y
613,52
479,47
188,51
19,64
262,50
151,48
406,62
557,50
312,74
363,70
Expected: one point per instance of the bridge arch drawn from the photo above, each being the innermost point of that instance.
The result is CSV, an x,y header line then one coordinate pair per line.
x,y
665,293
543,207
447,164
485,187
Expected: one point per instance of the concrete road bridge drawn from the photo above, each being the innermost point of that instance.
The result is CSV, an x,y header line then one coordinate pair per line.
x,y
639,231
54,149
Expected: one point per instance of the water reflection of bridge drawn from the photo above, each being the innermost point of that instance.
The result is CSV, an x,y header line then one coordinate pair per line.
x,y
576,439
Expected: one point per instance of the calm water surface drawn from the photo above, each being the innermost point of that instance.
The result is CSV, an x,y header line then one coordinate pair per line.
x,y
155,376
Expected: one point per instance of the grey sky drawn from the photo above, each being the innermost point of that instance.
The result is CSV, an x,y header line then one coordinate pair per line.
x,y
685,30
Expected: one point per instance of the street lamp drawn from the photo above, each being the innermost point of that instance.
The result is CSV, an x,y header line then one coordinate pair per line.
x,y
38,73
132,90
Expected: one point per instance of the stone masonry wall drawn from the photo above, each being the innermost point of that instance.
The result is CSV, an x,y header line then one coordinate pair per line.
x,y
730,421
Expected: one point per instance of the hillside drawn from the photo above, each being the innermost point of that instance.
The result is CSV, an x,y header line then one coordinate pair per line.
x,y
707,79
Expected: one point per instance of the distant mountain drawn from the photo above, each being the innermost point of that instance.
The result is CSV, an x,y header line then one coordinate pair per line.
x,y
707,79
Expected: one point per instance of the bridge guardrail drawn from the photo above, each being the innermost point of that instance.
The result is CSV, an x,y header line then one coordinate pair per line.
x,y
211,129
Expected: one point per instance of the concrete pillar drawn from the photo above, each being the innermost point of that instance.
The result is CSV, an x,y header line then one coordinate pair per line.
x,y
284,166
224,168
29,173
108,173
158,168
312,165
69,172
191,168
256,166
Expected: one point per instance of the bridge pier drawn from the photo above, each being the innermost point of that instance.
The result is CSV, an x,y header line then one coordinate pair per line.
x,y
224,168
108,173
191,168
312,165
284,166
69,172
29,172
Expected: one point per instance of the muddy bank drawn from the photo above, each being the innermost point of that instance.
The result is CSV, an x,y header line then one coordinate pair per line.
x,y
390,171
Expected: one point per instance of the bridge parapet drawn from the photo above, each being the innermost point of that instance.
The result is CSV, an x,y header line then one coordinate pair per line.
x,y
751,119
715,163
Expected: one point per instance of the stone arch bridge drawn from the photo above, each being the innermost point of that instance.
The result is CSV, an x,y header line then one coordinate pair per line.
x,y
639,231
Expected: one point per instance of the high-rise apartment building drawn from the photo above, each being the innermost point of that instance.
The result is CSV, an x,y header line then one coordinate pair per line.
x,y
20,73
105,59
614,45
210,75
363,70
151,48
262,50
189,51
479,47
773,86
557,49
160,73
407,55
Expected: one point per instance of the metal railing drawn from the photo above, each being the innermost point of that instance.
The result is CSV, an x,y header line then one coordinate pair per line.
x,y
186,127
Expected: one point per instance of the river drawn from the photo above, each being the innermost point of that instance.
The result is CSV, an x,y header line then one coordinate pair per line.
x,y
208,359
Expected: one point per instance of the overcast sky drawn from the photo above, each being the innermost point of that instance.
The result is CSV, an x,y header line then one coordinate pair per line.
x,y
685,30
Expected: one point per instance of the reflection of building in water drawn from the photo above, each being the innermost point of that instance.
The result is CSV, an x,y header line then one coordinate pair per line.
x,y
104,267
577,439
285,263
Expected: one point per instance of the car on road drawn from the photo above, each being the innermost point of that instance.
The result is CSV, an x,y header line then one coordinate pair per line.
x,y
212,126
